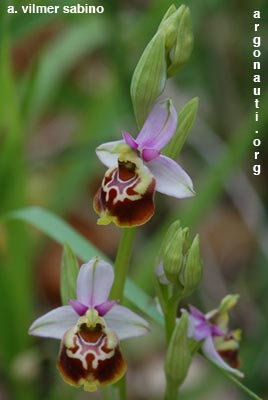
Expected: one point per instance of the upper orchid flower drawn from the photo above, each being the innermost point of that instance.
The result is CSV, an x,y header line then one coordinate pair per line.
x,y
137,168
90,329
219,343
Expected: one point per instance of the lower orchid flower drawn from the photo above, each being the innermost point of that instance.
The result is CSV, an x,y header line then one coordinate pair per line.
x,y
219,344
90,329
137,169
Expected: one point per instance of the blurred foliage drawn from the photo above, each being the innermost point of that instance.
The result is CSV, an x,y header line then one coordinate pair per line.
x,y
64,83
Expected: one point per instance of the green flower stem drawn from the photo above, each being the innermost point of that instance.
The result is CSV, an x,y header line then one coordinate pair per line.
x,y
172,388
170,313
232,378
121,268
114,392
170,319
171,392
122,263
249,392
118,390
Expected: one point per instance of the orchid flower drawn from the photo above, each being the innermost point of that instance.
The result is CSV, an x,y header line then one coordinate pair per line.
x,y
90,329
137,169
218,342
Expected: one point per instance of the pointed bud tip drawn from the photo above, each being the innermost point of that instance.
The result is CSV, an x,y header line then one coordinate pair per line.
x,y
228,302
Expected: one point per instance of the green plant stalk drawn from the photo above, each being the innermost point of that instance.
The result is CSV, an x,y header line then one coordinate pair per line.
x,y
112,392
171,392
121,269
122,262
172,389
170,319
235,380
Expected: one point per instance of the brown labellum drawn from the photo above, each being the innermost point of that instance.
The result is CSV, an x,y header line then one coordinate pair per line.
x,y
90,357
231,356
126,196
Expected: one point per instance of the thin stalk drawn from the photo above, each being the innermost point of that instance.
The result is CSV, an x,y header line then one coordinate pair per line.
x,y
122,263
172,386
171,390
176,296
170,320
121,389
228,375
109,393
121,269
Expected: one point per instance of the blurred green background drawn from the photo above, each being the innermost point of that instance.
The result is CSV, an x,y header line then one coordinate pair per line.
x,y
64,83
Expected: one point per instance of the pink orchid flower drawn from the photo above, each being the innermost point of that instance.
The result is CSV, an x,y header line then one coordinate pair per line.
x,y
219,344
90,329
137,169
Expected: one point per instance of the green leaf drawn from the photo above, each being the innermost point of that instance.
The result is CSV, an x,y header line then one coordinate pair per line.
x,y
61,232
68,276
186,119
15,286
56,229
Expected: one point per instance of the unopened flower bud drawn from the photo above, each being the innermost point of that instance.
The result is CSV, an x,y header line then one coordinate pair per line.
x,y
180,259
149,78
173,256
170,233
191,274
168,50
167,259
179,38
178,357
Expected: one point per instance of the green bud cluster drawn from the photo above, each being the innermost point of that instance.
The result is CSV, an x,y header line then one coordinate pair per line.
x,y
181,259
166,53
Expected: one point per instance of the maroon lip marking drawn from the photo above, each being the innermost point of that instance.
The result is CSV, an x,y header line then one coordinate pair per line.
x,y
92,359
119,198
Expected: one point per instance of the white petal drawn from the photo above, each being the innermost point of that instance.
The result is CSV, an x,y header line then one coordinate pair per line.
x,y
210,351
94,282
126,323
171,179
55,323
106,153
